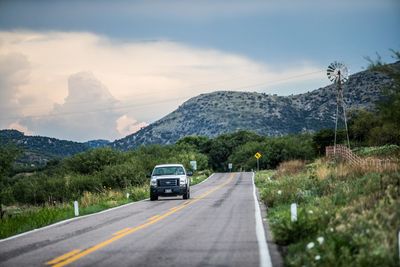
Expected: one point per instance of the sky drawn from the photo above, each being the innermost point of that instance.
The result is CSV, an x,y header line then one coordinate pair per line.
x,y
84,70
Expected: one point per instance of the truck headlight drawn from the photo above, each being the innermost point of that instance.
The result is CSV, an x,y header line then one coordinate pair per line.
x,y
153,182
182,181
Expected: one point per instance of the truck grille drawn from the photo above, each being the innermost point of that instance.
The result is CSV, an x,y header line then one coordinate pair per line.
x,y
168,182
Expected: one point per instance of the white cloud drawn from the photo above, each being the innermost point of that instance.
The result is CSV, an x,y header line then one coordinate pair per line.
x,y
14,71
127,125
140,80
89,112
19,127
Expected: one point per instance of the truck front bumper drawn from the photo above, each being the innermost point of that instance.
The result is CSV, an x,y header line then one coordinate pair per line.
x,y
168,191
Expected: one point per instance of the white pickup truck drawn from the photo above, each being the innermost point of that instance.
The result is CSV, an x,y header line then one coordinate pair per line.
x,y
169,180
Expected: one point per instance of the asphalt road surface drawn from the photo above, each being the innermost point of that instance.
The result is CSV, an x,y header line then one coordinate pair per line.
x,y
219,226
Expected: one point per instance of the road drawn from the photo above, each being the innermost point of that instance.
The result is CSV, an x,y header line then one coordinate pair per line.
x,y
219,226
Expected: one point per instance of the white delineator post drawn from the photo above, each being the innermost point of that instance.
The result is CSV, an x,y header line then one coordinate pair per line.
x,y
76,208
293,212
127,195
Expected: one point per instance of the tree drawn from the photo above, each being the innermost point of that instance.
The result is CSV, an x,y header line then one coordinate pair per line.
x,y
360,125
388,109
223,146
195,141
8,155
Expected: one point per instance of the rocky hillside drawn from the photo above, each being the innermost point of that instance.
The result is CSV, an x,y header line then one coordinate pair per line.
x,y
226,111
38,150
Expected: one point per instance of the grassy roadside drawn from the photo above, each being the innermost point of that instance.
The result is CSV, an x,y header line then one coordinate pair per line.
x,y
199,177
24,218
346,216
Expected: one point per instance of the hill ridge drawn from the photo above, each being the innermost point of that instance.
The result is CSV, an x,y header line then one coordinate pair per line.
x,y
221,112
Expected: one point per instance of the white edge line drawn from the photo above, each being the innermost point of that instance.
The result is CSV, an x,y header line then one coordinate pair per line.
x,y
80,217
265,258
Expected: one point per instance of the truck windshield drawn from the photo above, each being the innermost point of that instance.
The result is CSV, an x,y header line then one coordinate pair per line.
x,y
173,170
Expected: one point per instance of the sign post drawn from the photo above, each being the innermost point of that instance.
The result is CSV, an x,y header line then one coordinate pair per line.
x,y
230,167
258,156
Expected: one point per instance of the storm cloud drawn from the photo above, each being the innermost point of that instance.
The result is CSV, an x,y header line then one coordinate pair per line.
x,y
89,112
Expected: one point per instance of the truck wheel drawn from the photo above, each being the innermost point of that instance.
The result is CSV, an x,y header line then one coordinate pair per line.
x,y
153,197
186,195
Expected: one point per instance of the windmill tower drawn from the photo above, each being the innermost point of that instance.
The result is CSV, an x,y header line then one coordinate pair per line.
x,y
338,73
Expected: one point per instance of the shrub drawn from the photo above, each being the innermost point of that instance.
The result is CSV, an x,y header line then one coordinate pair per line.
x,y
291,167
93,160
123,175
311,219
285,191
380,151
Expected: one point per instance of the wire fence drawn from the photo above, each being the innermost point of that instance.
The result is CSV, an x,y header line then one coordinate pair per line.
x,y
344,153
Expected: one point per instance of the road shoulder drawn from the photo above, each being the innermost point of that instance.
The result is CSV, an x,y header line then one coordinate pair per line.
x,y
276,257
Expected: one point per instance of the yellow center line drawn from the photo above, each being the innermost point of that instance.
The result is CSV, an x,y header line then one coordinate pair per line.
x,y
122,231
154,217
63,257
70,257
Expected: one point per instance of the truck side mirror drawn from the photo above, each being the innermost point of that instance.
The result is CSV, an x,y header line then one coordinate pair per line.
x,y
190,174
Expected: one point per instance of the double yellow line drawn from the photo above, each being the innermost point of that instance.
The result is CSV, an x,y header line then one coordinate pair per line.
x,y
76,254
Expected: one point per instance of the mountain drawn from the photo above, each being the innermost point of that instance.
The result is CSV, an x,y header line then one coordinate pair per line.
x,y
228,111
38,150
97,143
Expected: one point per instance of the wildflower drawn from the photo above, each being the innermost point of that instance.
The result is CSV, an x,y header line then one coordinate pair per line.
x,y
326,212
310,211
310,245
320,240
279,192
317,258
331,229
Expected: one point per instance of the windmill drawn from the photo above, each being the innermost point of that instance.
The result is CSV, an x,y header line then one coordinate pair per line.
x,y
338,73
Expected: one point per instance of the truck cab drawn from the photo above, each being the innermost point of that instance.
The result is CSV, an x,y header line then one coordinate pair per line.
x,y
169,180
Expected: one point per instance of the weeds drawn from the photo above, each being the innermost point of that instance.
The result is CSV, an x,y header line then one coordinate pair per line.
x,y
25,218
292,167
346,216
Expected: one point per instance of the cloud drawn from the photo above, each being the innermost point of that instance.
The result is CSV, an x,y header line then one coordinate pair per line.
x,y
127,125
142,81
14,71
89,112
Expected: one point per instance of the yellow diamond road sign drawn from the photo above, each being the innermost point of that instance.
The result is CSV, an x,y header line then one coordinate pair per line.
x,y
258,155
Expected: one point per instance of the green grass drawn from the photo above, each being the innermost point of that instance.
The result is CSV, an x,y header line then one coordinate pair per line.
x,y
380,151
29,218
22,219
345,217
199,177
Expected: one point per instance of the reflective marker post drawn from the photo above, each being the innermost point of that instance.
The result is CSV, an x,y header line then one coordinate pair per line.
x,y
293,212
76,208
